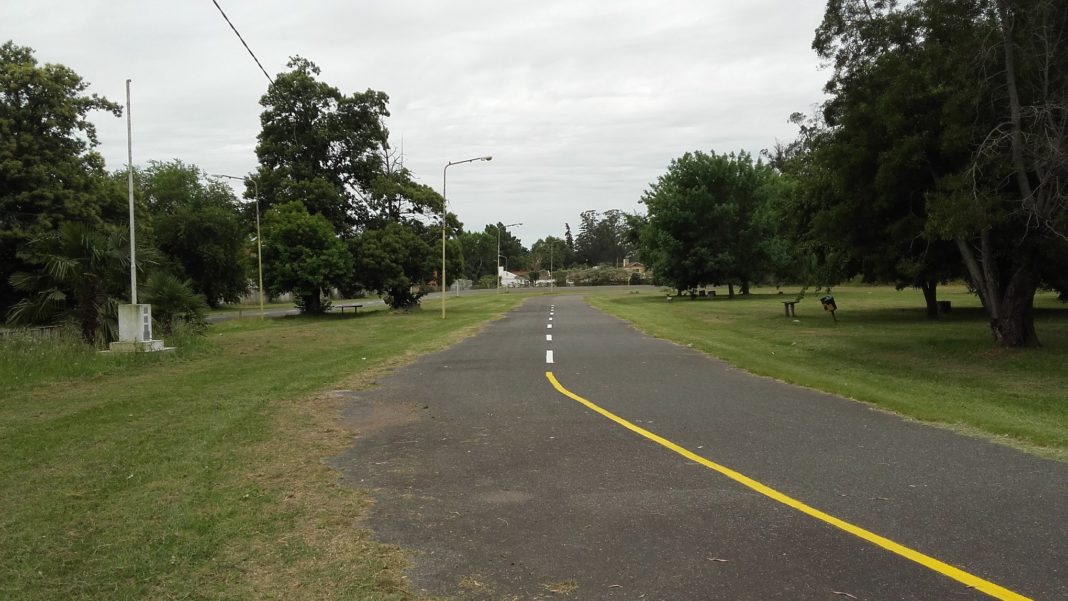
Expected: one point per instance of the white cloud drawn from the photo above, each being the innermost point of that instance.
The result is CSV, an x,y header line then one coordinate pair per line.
x,y
582,104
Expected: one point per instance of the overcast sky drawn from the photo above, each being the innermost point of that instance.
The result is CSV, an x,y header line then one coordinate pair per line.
x,y
581,104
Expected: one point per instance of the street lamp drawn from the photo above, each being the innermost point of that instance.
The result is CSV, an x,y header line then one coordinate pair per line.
x,y
444,179
551,278
499,228
259,239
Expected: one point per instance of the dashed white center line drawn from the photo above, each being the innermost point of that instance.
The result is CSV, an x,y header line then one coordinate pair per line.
x,y
548,356
550,326
548,338
550,319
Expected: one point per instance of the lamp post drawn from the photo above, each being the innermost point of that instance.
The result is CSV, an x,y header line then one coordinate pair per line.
x,y
499,227
444,179
259,239
130,185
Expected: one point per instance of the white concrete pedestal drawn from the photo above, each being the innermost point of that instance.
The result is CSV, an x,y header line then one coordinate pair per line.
x,y
135,330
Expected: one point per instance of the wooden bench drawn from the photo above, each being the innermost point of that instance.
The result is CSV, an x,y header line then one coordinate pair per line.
x,y
789,307
355,308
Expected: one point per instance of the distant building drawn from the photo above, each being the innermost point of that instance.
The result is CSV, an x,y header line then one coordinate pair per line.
x,y
509,279
634,267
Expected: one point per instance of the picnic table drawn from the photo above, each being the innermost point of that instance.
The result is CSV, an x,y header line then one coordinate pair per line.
x,y
789,307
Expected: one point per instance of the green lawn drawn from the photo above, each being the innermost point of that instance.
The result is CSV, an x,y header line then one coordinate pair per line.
x,y
198,473
884,351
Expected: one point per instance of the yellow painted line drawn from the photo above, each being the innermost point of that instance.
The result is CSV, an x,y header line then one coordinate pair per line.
x,y
926,561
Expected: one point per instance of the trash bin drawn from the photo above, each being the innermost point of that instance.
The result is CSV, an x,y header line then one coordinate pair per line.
x,y
828,303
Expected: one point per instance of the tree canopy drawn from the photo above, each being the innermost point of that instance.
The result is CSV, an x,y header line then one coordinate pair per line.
x,y
391,261
49,172
602,238
704,222
945,130
305,257
198,228
320,147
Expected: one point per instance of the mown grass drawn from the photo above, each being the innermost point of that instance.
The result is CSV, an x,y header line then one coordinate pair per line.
x,y
883,350
198,474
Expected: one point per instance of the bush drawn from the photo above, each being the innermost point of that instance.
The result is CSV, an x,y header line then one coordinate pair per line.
x,y
173,300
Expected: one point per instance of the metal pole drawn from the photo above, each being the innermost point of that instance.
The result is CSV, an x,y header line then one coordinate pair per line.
x,y
259,241
444,212
129,178
444,201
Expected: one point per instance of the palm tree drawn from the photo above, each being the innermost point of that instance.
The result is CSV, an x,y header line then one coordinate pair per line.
x,y
81,277
173,300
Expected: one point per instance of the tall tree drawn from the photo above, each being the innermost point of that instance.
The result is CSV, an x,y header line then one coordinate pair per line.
x,y
478,250
917,88
550,252
602,238
1019,178
320,147
889,142
513,254
48,171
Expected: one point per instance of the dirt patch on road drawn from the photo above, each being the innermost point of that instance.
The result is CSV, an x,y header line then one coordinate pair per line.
x,y
369,417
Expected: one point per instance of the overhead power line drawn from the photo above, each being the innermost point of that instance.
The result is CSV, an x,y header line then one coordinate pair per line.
x,y
238,33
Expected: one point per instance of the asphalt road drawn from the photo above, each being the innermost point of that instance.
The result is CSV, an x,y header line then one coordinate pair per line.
x,y
504,488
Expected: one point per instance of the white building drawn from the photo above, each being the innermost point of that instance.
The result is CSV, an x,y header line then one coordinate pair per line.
x,y
507,278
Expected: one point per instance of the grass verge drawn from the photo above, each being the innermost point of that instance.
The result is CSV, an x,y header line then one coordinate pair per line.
x,y
884,351
199,474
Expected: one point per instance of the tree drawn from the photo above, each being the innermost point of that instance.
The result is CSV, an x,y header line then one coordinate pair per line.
x,y
198,229
550,252
888,143
320,147
513,253
173,300
703,223
478,250
602,239
1019,178
303,254
394,197
391,261
948,113
80,270
48,171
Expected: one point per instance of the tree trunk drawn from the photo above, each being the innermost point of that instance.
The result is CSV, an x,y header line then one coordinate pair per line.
x,y
745,288
1015,324
930,295
730,290
313,303
1011,310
